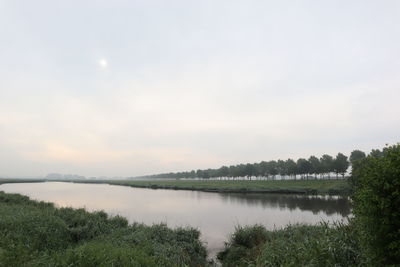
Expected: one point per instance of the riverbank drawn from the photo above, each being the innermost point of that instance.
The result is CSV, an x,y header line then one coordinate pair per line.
x,y
312,187
36,233
17,180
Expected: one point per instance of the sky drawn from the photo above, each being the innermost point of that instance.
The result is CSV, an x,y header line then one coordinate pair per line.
x,y
127,88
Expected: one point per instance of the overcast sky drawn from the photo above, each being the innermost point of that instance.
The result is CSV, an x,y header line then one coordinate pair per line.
x,y
126,88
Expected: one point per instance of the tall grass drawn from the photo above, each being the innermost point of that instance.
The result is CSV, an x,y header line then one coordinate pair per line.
x,y
38,234
295,245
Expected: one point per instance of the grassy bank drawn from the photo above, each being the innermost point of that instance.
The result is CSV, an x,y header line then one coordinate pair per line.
x,y
14,180
298,245
323,187
334,187
38,234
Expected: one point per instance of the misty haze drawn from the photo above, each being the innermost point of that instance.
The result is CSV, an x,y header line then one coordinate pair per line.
x,y
199,133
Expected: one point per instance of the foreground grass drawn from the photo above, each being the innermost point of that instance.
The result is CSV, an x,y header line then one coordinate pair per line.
x,y
38,234
297,245
333,187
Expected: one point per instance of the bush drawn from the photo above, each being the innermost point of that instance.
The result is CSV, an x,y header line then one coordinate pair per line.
x,y
32,229
377,205
302,245
243,246
85,225
296,245
180,246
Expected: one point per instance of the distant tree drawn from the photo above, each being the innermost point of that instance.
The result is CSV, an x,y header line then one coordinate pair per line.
x,y
249,170
242,172
223,171
273,168
263,168
233,171
206,174
291,166
213,173
268,169
327,164
340,164
282,169
356,155
199,173
303,167
315,165
376,153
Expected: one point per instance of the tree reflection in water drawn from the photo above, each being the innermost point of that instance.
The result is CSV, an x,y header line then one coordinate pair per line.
x,y
327,204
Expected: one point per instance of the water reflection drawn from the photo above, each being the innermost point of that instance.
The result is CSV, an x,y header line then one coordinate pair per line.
x,y
316,204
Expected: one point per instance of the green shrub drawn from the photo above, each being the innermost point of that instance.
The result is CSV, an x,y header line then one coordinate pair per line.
x,y
84,225
180,246
243,245
321,245
99,254
32,228
377,205
296,245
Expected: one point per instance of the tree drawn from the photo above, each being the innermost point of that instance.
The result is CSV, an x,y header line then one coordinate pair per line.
x,y
206,174
315,165
242,170
233,171
356,155
263,168
223,171
327,164
376,205
273,168
282,169
249,170
303,167
340,164
376,153
291,166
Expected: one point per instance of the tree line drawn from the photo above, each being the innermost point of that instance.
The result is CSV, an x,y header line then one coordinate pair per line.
x,y
311,168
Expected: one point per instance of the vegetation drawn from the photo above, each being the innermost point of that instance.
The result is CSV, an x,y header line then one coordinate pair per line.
x,y
15,180
295,245
372,238
376,179
38,234
334,187
289,169
356,158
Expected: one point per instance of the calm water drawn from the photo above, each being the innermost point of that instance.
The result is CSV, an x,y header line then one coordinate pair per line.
x,y
214,214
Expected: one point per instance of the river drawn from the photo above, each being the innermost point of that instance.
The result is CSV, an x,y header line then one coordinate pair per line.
x,y
215,214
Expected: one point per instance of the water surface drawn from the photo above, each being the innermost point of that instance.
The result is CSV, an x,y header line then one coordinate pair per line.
x,y
214,214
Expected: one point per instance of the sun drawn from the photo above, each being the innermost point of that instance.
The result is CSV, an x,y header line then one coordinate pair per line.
x,y
103,63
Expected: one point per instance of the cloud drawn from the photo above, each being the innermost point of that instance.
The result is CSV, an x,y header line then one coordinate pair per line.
x,y
190,88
